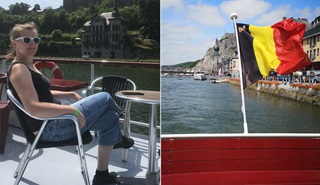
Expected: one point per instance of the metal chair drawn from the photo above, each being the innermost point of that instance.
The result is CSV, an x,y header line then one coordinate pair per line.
x,y
5,109
110,84
113,84
34,143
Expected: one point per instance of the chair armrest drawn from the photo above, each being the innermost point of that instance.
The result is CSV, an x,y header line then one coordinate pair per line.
x,y
84,93
66,116
89,89
20,106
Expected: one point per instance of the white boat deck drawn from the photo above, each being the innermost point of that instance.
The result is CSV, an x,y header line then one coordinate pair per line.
x,y
61,165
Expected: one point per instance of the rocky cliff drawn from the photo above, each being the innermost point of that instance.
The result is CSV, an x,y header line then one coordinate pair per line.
x,y
219,55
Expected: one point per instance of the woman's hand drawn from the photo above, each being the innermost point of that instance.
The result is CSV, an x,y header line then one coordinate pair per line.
x,y
77,97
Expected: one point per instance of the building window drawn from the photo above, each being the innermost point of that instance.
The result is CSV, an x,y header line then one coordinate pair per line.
x,y
318,52
314,41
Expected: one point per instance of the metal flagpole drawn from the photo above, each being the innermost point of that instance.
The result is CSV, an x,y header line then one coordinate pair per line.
x,y
233,17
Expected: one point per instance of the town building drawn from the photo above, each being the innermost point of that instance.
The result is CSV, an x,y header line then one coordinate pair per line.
x,y
103,36
311,45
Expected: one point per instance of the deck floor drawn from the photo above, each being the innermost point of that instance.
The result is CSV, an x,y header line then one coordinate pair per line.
x,y
61,165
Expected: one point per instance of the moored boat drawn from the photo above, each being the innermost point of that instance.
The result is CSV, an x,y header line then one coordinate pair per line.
x,y
199,76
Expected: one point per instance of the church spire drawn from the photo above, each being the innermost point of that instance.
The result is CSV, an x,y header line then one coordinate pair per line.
x,y
216,48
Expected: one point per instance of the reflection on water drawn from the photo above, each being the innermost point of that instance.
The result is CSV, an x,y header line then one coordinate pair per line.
x,y
190,106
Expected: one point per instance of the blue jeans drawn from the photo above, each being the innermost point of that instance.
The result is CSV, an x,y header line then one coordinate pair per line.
x,y
102,115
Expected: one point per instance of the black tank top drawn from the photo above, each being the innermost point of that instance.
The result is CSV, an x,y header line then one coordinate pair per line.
x,y
42,87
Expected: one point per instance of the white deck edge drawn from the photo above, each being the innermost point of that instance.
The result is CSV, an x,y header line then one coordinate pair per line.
x,y
170,136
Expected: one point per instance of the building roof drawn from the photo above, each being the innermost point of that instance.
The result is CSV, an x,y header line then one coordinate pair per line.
x,y
315,30
105,16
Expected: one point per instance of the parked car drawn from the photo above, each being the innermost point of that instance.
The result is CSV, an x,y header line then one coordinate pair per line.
x,y
313,74
316,78
86,56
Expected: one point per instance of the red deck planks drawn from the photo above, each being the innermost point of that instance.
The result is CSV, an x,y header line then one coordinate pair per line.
x,y
250,159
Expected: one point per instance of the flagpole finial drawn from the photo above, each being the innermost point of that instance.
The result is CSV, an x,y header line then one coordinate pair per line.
x,y
234,16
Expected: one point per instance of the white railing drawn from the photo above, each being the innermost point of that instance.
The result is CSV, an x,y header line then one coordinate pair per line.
x,y
138,123
169,136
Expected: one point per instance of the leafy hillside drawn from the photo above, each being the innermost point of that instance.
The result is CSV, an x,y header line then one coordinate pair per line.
x,y
143,19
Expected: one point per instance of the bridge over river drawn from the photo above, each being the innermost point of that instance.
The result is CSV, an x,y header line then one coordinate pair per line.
x,y
171,72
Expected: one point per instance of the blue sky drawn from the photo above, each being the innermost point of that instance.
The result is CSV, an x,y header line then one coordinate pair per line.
x,y
189,27
43,3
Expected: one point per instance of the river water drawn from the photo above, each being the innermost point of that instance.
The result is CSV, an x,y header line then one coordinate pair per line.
x,y
192,106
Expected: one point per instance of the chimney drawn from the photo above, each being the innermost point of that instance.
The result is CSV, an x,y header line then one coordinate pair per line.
x,y
115,12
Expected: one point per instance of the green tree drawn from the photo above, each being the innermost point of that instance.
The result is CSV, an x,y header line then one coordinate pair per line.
x,y
15,9
36,7
56,35
63,17
149,11
24,8
47,24
106,6
78,18
130,14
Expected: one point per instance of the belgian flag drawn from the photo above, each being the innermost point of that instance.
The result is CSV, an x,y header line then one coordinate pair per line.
x,y
276,47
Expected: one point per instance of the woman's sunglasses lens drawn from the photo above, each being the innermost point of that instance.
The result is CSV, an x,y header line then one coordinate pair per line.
x,y
36,40
27,40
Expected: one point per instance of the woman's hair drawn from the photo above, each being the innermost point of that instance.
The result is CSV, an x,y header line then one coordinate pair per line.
x,y
15,33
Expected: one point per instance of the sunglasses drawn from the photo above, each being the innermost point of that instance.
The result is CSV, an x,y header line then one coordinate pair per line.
x,y
27,40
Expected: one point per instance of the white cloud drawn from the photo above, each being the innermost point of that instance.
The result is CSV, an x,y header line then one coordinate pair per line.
x,y
178,33
274,16
315,13
305,13
178,4
206,15
246,9
183,43
180,52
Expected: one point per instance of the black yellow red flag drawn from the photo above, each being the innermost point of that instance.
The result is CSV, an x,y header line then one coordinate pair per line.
x,y
276,47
